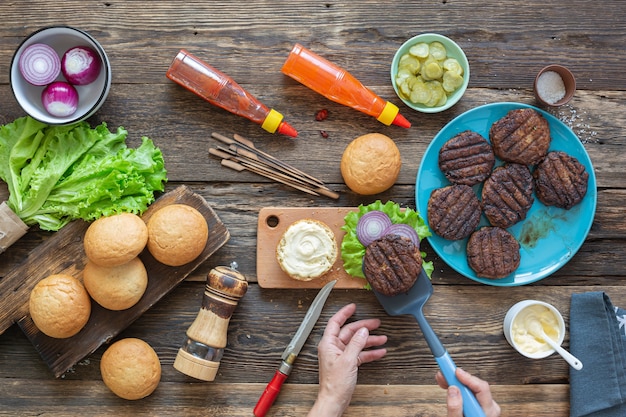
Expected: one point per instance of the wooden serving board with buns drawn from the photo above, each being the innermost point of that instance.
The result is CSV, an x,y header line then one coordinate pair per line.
x,y
64,253
272,223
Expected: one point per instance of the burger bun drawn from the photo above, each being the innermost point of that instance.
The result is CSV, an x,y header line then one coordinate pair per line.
x,y
370,164
59,306
177,234
116,287
131,369
115,240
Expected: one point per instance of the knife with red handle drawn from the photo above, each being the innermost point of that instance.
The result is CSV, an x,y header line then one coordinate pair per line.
x,y
291,352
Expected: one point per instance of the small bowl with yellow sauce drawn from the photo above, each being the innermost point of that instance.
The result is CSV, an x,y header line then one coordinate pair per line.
x,y
430,73
518,321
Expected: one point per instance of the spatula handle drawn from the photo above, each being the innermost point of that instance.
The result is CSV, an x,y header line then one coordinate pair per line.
x,y
471,407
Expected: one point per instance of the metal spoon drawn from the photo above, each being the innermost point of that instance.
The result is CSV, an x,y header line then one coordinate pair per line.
x,y
536,330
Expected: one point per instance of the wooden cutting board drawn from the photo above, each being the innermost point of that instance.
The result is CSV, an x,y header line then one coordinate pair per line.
x,y
272,223
64,253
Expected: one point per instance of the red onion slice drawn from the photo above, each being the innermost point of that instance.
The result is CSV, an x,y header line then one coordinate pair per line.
x,y
371,226
405,230
60,99
39,64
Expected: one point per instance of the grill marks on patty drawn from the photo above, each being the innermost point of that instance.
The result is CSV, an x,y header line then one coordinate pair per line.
x,y
508,195
560,180
453,211
392,264
467,158
493,252
521,136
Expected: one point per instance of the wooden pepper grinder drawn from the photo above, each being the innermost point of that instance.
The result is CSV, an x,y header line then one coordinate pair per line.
x,y
200,355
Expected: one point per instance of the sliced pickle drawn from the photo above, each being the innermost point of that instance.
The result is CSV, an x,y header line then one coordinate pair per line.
x,y
420,94
419,50
451,64
437,50
451,81
432,71
410,63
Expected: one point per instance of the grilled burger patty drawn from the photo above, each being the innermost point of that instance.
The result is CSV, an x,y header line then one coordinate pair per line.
x,y
453,211
493,252
560,180
392,264
467,158
507,195
522,136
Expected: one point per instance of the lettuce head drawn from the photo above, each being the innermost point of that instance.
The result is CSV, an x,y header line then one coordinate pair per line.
x,y
56,174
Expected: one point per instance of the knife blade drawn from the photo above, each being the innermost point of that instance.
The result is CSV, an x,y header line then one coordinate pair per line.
x,y
292,350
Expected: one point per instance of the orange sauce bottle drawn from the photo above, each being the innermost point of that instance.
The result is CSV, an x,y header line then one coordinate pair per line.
x,y
338,85
221,90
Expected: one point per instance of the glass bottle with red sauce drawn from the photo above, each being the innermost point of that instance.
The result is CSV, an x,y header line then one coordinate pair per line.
x,y
338,85
221,90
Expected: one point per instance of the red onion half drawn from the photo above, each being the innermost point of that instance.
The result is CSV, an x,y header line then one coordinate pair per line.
x,y
60,99
39,64
371,226
404,230
81,65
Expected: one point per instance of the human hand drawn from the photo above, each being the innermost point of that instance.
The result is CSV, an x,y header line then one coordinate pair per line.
x,y
341,352
479,387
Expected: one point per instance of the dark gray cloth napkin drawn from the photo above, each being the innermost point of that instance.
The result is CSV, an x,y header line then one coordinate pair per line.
x,y
598,339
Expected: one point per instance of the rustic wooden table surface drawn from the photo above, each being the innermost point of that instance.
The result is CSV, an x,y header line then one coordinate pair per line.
x,y
506,42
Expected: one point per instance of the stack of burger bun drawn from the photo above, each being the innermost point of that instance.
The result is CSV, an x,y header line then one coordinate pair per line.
x,y
114,275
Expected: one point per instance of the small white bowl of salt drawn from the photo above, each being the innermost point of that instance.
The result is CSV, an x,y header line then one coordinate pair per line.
x,y
554,85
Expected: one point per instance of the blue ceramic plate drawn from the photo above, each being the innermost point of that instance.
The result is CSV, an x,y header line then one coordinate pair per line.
x,y
549,237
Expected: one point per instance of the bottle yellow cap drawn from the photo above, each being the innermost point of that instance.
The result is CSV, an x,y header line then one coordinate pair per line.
x,y
388,114
272,121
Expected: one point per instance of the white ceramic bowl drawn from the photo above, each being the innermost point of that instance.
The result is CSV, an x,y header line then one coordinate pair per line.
x,y
90,96
453,51
509,330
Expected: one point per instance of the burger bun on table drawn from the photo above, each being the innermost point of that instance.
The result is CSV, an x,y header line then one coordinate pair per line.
x,y
370,164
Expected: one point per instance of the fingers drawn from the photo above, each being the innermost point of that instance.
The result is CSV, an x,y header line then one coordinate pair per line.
x,y
479,387
335,323
441,381
347,331
454,401
362,340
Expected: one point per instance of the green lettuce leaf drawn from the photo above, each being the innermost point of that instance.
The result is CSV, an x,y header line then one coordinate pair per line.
x,y
57,174
352,250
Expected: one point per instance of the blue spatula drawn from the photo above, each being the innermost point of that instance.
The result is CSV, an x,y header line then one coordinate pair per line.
x,y
412,303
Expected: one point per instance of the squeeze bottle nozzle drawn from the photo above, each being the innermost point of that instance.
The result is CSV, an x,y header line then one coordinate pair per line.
x,y
336,84
221,90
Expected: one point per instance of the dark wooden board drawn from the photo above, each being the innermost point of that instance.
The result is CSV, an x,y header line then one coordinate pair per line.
x,y
64,253
273,221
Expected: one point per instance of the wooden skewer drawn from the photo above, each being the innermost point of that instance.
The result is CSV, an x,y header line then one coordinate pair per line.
x,y
241,154
239,167
238,164
246,146
295,174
